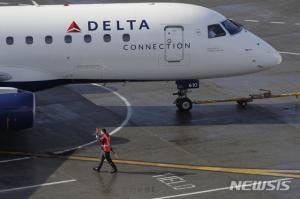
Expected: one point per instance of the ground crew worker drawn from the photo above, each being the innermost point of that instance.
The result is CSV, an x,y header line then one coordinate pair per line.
x,y
104,141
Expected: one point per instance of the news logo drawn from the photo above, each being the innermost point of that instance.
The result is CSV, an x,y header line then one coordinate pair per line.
x,y
275,185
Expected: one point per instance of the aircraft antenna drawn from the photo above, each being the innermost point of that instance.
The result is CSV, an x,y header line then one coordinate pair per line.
x,y
66,3
35,3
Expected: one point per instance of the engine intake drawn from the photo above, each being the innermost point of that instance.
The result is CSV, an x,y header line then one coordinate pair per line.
x,y
17,109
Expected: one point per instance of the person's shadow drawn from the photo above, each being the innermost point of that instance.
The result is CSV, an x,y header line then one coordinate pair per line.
x,y
107,184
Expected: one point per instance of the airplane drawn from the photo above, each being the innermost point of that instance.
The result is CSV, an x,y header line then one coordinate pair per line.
x,y
45,46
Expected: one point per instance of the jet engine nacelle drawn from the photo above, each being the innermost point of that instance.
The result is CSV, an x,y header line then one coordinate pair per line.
x,y
17,109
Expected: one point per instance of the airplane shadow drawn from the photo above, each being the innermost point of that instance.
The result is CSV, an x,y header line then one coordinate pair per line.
x,y
65,119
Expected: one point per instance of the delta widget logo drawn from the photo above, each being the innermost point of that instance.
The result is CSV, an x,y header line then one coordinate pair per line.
x,y
73,28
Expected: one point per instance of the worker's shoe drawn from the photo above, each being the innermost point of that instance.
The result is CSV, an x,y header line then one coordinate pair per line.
x,y
96,169
114,171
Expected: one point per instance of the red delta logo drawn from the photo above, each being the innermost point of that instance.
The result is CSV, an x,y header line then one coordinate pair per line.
x,y
74,27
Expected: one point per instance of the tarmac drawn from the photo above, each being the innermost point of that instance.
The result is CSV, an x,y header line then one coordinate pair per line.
x,y
162,153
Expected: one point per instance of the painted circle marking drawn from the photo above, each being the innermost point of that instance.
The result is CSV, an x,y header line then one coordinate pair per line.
x,y
124,123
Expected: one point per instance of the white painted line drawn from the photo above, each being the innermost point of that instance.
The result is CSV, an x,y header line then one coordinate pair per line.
x,y
251,20
277,22
127,103
13,160
297,24
74,148
4,3
216,190
290,53
124,123
35,186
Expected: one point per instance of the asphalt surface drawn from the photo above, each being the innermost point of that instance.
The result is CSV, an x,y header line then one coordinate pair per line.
x,y
225,139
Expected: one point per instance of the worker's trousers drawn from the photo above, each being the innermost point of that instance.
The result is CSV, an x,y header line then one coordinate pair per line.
x,y
106,155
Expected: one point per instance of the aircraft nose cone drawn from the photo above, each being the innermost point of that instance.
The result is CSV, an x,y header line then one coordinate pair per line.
x,y
278,58
273,57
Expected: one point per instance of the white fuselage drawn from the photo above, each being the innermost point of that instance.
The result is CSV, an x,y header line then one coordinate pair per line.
x,y
168,41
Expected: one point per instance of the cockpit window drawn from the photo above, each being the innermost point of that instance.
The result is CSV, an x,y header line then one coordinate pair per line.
x,y
232,27
215,30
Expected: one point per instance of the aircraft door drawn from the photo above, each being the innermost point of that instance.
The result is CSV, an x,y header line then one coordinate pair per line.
x,y
174,43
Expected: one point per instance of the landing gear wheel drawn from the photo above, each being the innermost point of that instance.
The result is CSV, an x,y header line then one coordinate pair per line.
x,y
242,104
184,104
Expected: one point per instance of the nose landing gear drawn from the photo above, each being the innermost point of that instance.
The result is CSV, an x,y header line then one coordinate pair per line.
x,y
182,102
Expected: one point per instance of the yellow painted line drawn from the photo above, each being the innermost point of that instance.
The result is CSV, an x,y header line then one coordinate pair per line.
x,y
265,172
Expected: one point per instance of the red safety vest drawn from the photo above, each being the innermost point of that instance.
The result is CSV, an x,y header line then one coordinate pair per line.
x,y
105,142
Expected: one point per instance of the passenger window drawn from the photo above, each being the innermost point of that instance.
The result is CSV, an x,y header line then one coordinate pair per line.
x,y
107,38
68,39
126,37
232,27
87,38
9,40
215,31
29,40
49,39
